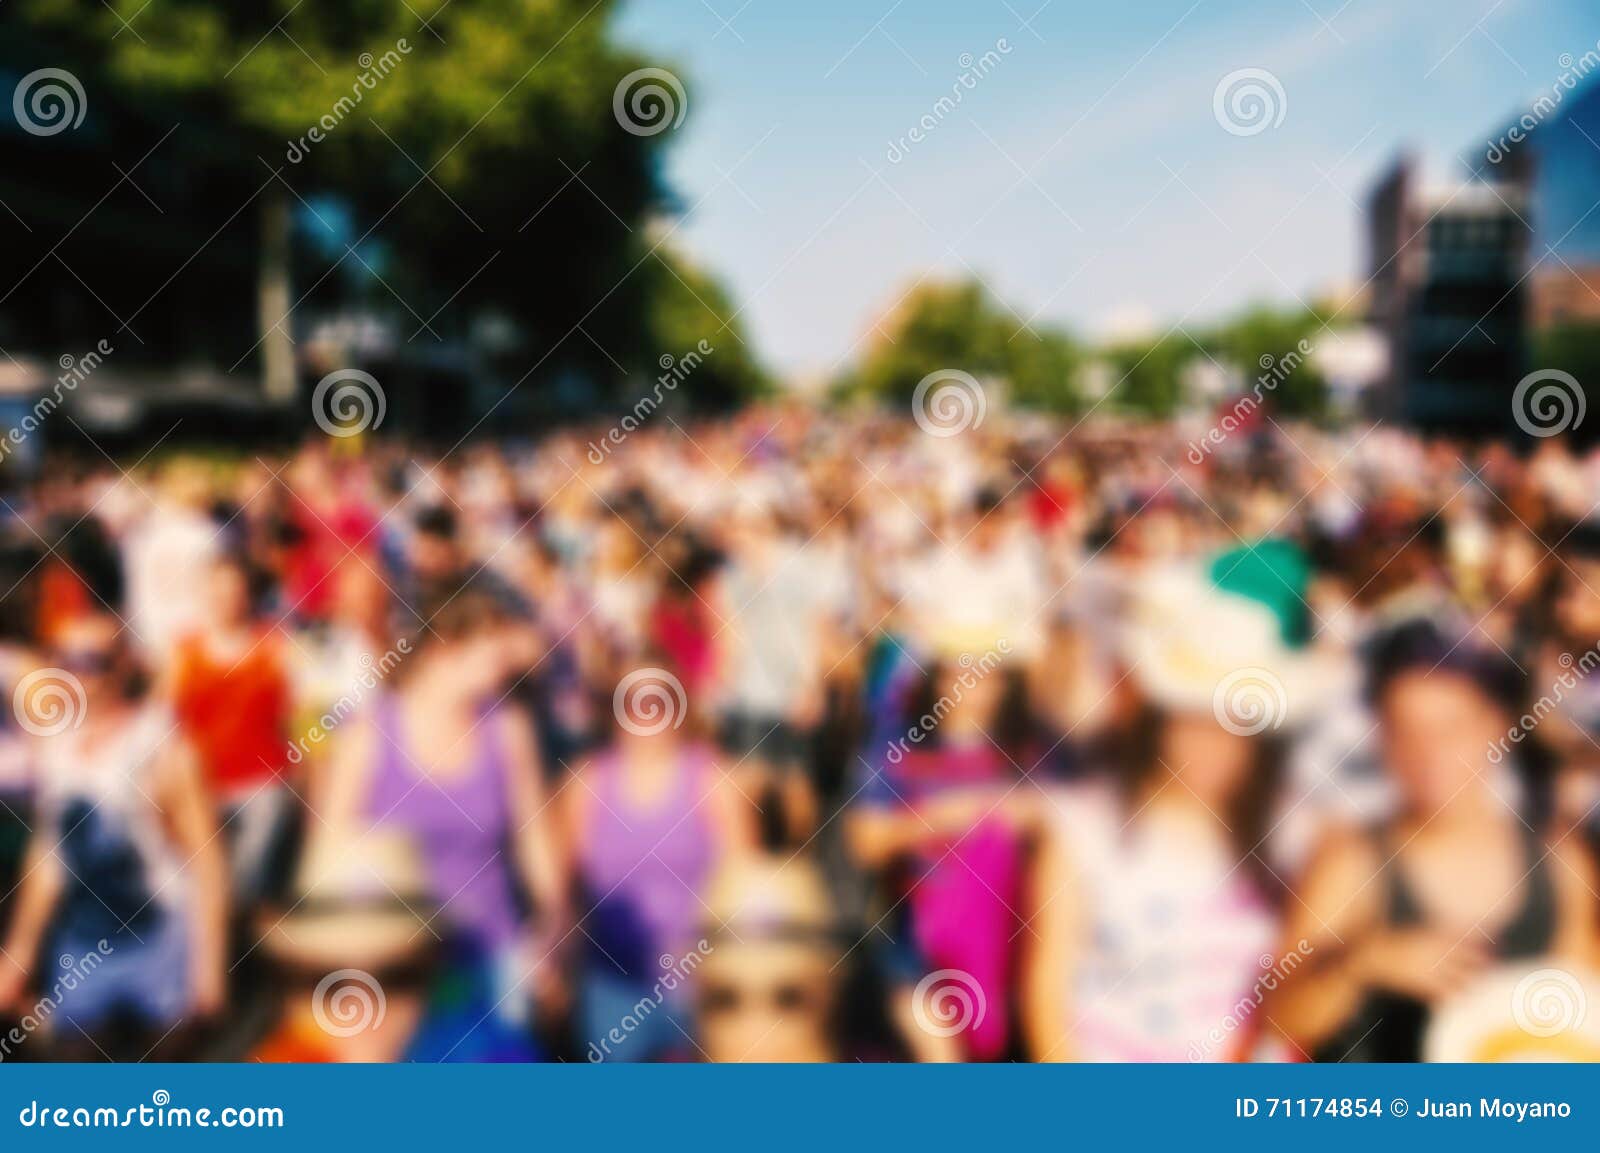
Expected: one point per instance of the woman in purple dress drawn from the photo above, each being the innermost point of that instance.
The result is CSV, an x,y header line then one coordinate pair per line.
x,y
440,759
649,816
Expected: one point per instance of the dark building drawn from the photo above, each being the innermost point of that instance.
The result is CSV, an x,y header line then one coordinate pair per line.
x,y
1481,280
1553,151
1447,264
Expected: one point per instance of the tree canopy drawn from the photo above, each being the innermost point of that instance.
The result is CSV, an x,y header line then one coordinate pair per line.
x,y
474,145
961,326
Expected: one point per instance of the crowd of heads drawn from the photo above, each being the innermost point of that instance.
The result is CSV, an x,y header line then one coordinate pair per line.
x,y
803,736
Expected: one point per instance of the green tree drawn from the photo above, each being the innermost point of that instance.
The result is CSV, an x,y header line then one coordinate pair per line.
x,y
1265,341
476,142
689,310
1147,375
1043,368
960,326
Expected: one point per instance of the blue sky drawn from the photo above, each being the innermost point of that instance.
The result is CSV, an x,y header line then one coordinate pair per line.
x,y
1085,178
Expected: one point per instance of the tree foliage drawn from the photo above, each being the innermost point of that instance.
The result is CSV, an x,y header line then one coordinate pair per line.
x,y
960,326
473,141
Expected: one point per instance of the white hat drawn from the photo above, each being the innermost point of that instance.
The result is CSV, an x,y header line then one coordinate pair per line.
x,y
1193,647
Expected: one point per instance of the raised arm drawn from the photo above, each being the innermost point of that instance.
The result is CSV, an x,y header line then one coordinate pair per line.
x,y
541,858
1051,951
1334,911
37,894
182,796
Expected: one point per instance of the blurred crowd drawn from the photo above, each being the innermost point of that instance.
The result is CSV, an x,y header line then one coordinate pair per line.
x,y
804,737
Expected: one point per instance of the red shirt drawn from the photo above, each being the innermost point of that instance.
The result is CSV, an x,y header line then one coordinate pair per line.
x,y
236,714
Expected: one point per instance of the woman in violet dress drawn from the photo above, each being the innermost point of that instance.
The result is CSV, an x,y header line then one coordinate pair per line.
x,y
441,759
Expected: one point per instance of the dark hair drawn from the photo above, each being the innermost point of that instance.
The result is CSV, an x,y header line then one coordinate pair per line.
x,y
1582,542
988,499
1012,724
436,521
1427,646
257,582
1249,815
451,614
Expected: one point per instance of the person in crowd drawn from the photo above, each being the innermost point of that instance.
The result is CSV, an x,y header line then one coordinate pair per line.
x,y
1400,917
1151,908
124,865
439,758
231,695
166,558
355,961
767,983
648,816
553,708
770,631
943,816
